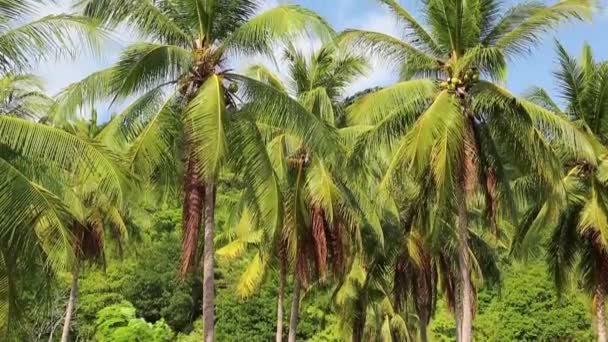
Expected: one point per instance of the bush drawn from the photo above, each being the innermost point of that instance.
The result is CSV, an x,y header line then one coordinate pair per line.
x,y
526,309
117,323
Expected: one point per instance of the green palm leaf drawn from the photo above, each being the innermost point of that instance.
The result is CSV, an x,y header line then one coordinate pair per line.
x,y
279,24
204,124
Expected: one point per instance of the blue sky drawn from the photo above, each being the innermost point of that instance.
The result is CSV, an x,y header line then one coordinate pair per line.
x,y
369,14
530,70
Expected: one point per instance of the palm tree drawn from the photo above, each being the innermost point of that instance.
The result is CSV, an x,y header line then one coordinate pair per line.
x,y
36,223
185,95
96,217
578,220
316,209
448,119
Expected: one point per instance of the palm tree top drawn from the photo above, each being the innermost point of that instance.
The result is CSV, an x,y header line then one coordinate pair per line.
x,y
458,35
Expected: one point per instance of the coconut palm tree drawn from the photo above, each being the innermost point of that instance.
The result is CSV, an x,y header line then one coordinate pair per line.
x,y
412,266
578,221
96,217
180,76
317,207
447,117
36,223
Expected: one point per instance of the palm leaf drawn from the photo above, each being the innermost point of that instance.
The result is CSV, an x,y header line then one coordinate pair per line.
x,y
204,124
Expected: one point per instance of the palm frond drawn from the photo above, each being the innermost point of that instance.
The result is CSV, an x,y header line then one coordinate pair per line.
x,y
403,97
43,143
527,33
276,109
83,95
390,49
413,29
50,36
279,24
143,66
263,74
143,16
204,121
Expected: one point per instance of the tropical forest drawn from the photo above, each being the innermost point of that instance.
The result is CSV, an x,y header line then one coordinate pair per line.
x,y
303,170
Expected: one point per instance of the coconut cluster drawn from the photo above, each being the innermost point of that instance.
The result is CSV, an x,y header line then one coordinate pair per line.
x,y
301,157
454,82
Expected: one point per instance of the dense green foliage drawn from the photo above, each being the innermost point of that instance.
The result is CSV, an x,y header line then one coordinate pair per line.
x,y
525,307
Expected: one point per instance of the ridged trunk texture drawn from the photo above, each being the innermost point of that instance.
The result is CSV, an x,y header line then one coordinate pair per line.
x,y
65,335
600,320
280,300
464,263
208,265
469,174
320,240
295,308
192,215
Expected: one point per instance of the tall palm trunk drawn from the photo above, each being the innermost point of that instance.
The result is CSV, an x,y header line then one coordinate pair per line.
x,y
208,265
193,209
423,332
71,303
466,319
359,322
295,308
466,185
458,314
281,298
602,336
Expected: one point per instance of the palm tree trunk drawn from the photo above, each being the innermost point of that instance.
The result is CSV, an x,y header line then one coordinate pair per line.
x,y
465,276
208,265
457,314
279,335
360,316
423,333
295,308
602,336
71,303
192,215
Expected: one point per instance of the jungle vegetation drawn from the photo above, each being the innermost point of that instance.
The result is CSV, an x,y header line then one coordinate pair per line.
x,y
270,203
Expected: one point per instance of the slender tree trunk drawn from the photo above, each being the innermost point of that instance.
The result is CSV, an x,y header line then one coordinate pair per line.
x,y
457,312
423,332
279,335
208,267
465,276
602,336
359,323
71,303
295,308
